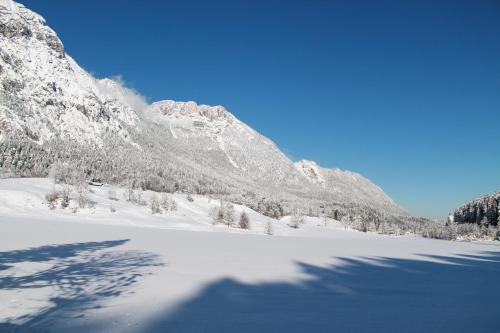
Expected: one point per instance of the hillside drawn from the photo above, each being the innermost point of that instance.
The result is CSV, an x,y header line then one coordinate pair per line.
x,y
484,211
52,111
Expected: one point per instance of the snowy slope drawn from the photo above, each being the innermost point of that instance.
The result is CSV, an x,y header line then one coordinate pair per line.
x,y
130,272
344,183
48,99
25,197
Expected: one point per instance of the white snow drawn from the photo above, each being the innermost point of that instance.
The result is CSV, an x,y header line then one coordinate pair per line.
x,y
129,271
310,170
25,197
9,5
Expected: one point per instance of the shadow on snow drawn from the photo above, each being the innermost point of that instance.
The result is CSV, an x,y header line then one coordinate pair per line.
x,y
428,294
81,273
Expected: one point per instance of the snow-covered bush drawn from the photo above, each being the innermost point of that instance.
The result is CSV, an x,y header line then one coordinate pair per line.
x,y
65,198
112,194
82,191
361,225
435,231
268,228
135,197
173,205
224,213
189,198
346,222
139,200
270,207
217,214
130,195
296,220
56,197
244,221
52,198
63,172
154,205
167,203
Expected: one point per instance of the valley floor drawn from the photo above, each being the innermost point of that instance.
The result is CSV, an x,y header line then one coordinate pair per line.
x,y
129,271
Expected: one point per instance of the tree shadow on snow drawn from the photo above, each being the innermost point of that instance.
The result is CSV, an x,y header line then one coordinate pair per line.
x,y
82,274
428,294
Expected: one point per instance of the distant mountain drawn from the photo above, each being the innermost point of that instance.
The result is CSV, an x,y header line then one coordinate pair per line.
x,y
52,110
484,210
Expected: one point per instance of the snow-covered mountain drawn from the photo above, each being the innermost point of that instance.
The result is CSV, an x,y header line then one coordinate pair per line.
x,y
46,98
221,137
44,93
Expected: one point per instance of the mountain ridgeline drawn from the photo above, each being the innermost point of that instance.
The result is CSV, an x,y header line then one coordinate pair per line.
x,y
53,111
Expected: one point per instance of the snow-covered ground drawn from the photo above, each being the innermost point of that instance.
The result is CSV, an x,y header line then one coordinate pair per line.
x,y
25,197
131,271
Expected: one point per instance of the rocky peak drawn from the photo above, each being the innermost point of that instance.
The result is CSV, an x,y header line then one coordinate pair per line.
x,y
192,109
16,22
44,92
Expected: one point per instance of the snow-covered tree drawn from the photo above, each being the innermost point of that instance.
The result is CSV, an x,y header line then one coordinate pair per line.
x,y
154,205
268,228
296,219
229,214
82,190
244,221
112,194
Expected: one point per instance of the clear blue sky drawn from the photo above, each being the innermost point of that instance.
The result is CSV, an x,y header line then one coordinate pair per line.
x,y
405,92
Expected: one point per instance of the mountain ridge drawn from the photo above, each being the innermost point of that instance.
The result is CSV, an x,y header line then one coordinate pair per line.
x,y
47,99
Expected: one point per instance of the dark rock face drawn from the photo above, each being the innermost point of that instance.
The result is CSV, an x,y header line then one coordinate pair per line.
x,y
55,44
484,210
